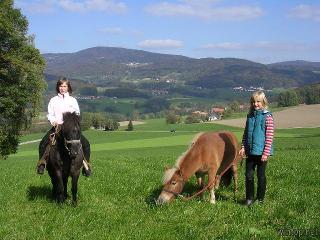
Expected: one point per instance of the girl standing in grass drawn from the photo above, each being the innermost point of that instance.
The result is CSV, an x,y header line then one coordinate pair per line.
x,y
257,145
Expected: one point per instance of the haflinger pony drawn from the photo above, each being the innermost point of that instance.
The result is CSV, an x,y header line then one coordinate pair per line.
x,y
214,153
65,157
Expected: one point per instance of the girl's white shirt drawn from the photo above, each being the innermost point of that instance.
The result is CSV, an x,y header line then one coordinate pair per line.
x,y
60,104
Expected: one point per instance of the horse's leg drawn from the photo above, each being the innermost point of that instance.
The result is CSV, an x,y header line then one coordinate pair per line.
x,y
199,177
217,182
60,190
65,186
74,187
211,180
235,179
54,186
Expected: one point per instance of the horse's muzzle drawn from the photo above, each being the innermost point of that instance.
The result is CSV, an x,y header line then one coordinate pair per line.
x,y
164,198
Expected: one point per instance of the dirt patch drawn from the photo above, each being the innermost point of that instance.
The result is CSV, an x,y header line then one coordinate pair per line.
x,y
125,123
303,116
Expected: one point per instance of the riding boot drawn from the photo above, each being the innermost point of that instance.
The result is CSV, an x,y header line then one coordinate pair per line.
x,y
44,148
262,183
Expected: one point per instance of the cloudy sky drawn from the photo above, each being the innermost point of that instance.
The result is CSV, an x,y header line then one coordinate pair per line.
x,y
264,31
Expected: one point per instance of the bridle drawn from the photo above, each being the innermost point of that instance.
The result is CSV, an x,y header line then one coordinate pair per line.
x,y
76,141
175,193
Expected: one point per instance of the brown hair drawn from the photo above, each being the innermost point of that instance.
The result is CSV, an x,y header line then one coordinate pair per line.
x,y
61,81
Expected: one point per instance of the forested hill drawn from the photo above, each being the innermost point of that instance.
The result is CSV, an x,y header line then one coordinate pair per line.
x,y
109,66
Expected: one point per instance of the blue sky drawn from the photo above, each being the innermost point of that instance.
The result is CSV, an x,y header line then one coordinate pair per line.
x,y
263,31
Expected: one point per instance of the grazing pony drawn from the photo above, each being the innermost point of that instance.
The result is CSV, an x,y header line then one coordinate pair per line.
x,y
65,157
214,153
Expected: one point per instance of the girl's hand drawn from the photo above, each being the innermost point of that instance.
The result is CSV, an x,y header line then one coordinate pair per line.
x,y
242,152
264,158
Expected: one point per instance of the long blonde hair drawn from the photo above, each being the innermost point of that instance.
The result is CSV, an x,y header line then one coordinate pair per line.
x,y
258,96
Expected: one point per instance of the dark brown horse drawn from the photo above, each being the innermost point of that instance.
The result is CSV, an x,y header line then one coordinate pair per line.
x,y
214,153
65,157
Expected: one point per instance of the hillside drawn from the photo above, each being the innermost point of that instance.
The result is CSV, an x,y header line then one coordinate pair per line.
x,y
109,66
303,116
299,64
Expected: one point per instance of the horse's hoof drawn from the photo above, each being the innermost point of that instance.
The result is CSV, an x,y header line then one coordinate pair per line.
x,y
40,169
213,201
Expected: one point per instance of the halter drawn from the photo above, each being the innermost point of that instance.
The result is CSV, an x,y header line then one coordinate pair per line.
x,y
194,195
66,142
175,193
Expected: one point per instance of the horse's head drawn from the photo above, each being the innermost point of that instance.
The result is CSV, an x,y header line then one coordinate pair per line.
x,y
173,183
71,133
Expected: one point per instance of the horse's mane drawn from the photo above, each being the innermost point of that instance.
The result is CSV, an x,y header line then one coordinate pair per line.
x,y
169,172
70,119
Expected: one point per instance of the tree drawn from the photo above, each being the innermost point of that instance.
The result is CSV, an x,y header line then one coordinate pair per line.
x,y
130,126
21,75
111,125
155,105
192,118
89,91
172,118
288,98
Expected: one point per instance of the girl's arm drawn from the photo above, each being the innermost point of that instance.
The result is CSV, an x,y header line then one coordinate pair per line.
x,y
51,114
269,135
76,107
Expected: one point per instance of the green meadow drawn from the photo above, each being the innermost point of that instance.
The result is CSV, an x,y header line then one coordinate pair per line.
x,y
117,202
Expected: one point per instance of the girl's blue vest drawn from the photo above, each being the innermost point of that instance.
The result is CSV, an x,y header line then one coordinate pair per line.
x,y
256,132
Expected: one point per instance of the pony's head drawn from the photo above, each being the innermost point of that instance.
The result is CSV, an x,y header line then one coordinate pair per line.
x,y
173,183
71,133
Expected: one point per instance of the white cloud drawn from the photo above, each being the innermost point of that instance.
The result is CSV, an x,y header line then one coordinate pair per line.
x,y
93,5
160,44
205,10
38,6
306,12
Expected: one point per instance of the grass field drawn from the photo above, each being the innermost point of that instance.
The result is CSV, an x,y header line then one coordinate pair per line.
x,y
117,202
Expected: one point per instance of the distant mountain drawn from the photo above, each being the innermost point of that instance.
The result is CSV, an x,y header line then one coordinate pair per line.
x,y
298,64
109,66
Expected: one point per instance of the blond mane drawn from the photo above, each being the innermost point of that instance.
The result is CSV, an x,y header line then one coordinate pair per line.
x,y
169,172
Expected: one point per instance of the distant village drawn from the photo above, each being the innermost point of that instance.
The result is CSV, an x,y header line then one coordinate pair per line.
x,y
249,89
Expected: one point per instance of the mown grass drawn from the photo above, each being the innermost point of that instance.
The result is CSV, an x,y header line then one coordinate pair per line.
x,y
117,202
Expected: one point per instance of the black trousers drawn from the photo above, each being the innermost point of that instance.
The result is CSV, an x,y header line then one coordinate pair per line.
x,y
252,162
45,141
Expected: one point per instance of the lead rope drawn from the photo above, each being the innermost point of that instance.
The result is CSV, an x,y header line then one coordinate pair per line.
x,y
206,187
